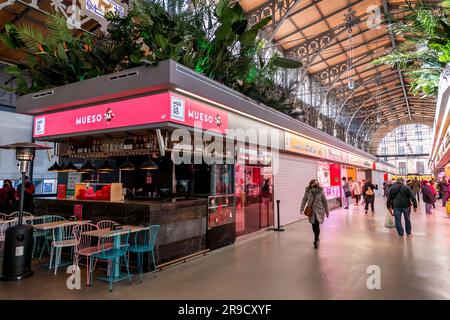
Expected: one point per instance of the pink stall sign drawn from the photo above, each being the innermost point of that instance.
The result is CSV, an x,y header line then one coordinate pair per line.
x,y
163,107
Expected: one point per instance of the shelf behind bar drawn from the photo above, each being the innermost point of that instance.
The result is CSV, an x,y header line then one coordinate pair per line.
x,y
110,154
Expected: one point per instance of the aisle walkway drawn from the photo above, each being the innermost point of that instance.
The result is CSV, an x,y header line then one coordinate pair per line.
x,y
285,266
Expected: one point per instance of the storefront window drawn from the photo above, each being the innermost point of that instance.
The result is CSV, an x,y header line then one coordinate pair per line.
x,y
253,191
223,179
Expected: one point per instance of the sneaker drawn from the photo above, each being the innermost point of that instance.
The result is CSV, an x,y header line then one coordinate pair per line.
x,y
316,245
409,235
346,208
365,212
400,236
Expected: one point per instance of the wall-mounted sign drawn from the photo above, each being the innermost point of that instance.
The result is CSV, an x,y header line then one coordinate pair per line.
x,y
302,145
336,155
156,108
358,161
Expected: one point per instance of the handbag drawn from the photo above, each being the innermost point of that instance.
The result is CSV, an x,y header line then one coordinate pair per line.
x,y
309,210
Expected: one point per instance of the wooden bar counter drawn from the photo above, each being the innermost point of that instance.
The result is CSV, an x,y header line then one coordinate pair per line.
x,y
183,221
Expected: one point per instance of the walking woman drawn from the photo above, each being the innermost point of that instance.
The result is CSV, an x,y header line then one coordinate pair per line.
x,y
356,189
428,197
316,203
369,191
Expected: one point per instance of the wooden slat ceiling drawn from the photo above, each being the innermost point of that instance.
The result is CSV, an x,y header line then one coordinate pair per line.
x,y
22,12
309,18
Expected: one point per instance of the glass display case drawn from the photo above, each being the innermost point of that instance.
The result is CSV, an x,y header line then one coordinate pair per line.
x,y
220,210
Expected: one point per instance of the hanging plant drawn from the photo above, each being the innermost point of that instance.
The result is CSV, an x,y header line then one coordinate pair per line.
x,y
426,50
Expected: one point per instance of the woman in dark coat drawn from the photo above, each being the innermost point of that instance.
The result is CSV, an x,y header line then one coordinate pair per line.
x,y
314,197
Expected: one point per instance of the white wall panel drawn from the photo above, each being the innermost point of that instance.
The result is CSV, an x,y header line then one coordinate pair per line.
x,y
290,182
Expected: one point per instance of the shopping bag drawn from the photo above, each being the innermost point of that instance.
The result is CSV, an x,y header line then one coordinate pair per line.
x,y
389,221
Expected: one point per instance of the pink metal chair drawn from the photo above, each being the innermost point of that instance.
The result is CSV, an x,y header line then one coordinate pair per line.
x,y
87,246
106,224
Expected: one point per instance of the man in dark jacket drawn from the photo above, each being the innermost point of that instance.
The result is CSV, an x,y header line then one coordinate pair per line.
x,y
400,198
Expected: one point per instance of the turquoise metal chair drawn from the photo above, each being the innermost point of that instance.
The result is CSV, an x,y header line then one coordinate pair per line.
x,y
113,255
144,241
38,235
48,234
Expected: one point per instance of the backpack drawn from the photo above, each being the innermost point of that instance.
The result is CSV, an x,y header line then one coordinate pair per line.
x,y
369,191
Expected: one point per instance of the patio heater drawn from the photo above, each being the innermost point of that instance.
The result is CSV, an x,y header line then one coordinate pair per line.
x,y
19,238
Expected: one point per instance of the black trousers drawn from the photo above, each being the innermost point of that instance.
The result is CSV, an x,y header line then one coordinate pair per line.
x,y
370,200
316,230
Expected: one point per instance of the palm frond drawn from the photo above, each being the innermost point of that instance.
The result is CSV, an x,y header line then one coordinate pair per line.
x,y
31,37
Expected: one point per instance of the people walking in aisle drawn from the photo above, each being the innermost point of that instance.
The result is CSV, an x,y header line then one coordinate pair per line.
x,y
433,191
7,197
315,199
427,196
346,192
399,199
444,187
356,190
369,191
415,186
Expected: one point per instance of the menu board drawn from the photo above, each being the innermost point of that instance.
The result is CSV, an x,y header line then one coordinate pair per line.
x,y
323,174
73,179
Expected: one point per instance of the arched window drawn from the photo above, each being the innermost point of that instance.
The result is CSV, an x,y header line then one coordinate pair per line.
x,y
410,139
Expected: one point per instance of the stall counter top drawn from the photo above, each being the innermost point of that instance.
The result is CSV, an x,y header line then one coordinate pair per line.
x,y
141,202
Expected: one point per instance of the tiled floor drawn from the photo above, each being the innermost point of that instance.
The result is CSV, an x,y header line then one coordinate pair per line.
x,y
284,265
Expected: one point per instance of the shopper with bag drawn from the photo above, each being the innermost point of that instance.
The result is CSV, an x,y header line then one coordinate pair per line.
x,y
399,200
347,193
315,207
369,191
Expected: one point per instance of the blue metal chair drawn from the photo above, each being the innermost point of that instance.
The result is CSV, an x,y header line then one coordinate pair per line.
x,y
38,235
48,234
144,241
113,255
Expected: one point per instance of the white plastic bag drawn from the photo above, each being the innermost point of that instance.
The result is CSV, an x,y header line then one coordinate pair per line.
x,y
389,221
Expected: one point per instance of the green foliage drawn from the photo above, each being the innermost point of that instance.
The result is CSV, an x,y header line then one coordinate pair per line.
x,y
217,41
426,50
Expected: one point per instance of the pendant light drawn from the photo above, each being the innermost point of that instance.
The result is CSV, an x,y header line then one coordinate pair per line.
x,y
70,167
87,167
55,167
149,165
127,165
106,167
